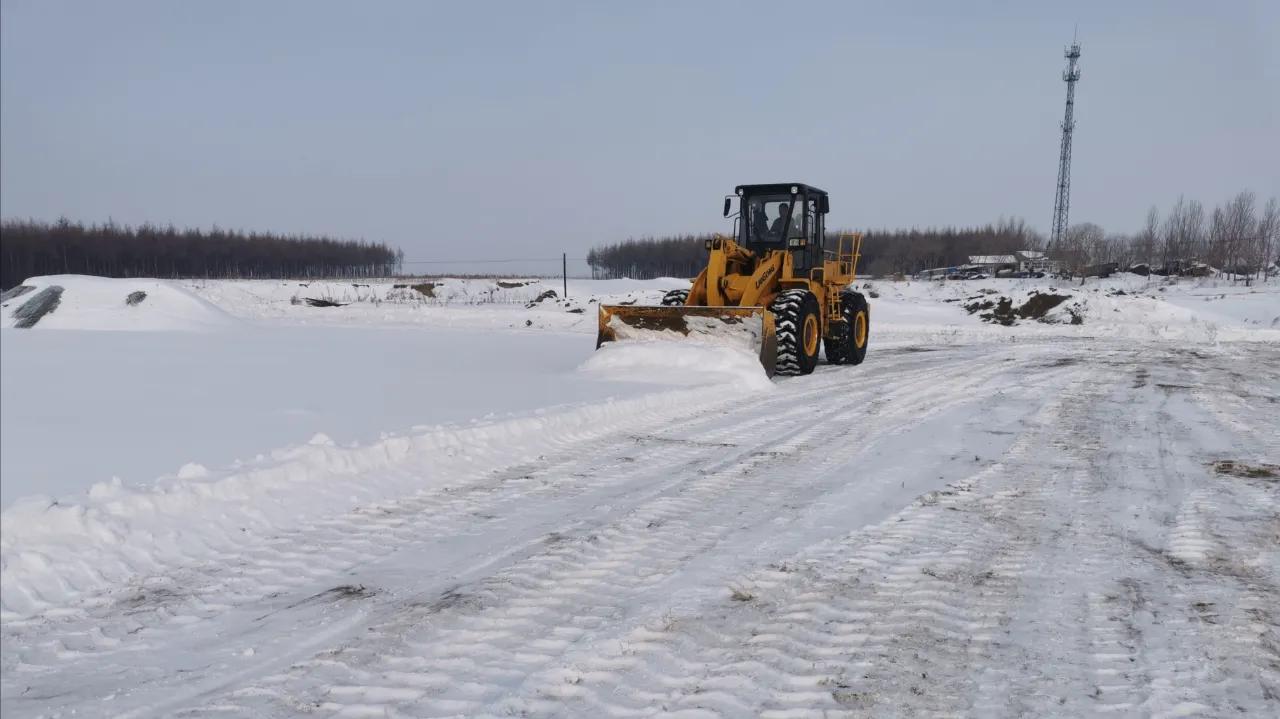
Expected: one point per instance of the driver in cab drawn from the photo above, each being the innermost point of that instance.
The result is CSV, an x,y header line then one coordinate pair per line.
x,y
778,229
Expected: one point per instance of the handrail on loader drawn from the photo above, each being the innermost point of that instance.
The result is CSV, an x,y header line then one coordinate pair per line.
x,y
851,257
846,259
840,269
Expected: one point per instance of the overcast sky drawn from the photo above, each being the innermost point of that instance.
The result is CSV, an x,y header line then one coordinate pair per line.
x,y
521,129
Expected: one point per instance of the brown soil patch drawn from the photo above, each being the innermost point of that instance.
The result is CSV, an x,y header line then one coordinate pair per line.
x,y
1247,471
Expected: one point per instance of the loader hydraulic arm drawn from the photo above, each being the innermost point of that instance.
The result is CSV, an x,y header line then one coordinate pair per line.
x,y
735,276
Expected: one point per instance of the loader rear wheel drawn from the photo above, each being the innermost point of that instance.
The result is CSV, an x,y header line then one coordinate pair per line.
x,y
849,345
675,297
797,326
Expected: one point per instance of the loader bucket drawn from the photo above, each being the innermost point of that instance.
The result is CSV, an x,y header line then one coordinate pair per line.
x,y
750,328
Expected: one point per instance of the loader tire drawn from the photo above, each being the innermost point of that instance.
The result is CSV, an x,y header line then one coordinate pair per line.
x,y
675,297
849,346
798,327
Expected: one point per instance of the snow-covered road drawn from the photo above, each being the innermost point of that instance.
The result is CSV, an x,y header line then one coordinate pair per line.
x,y
997,529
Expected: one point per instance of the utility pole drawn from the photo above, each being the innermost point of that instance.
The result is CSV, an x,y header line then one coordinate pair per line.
x,y
564,272
1062,202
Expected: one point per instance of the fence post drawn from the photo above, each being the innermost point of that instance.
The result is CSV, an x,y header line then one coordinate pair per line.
x,y
564,270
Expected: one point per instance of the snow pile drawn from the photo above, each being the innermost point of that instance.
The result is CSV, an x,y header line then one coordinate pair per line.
x,y
291,297
746,333
1228,303
80,302
690,363
1201,310
51,552
504,302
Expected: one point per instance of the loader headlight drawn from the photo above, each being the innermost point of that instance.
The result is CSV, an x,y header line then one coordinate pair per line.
x,y
707,244
794,189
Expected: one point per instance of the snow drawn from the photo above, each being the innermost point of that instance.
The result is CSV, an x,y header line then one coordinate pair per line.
x,y
192,470
687,363
381,302
57,550
1230,303
737,331
97,303
454,505
139,405
1201,310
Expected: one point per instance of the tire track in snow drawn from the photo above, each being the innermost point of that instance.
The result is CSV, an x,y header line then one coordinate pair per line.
x,y
985,601
1221,556
483,638
819,637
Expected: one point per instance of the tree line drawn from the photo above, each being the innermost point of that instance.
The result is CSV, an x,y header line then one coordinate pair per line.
x,y
905,252
645,258
884,251
1240,237
30,248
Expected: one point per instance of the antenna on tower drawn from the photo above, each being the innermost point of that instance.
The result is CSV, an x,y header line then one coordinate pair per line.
x,y
1062,202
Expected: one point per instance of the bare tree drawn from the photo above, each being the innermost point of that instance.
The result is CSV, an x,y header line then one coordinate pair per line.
x,y
1267,232
1077,246
1218,244
1239,230
1196,237
1183,234
1118,248
1143,246
1173,233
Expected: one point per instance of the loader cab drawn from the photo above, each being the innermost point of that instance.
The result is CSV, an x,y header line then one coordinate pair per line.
x,y
786,216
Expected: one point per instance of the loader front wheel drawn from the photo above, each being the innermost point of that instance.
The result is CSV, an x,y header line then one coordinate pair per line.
x,y
849,343
675,297
797,326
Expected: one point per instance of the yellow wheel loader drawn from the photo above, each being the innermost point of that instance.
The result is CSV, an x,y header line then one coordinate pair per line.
x,y
775,287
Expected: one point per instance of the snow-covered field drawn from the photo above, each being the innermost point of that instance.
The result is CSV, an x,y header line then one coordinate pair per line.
x,y
221,500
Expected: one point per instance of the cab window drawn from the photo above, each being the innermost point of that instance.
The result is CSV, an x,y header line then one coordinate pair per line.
x,y
771,221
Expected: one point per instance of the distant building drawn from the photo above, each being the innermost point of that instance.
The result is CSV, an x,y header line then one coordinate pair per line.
x,y
1018,264
1029,261
992,264
936,273
1034,261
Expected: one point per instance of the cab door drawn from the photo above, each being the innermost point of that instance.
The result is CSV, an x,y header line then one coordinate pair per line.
x,y
808,229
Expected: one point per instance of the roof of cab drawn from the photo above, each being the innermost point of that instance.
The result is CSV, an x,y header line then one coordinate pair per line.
x,y
783,188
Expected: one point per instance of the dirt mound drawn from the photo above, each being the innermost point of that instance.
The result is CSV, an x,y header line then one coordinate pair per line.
x,y
320,302
546,295
1037,307
1247,471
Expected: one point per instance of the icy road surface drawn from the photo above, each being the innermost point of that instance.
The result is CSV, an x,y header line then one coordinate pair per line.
x,y
994,530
